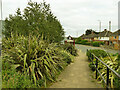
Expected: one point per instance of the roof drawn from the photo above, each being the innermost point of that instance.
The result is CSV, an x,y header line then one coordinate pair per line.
x,y
82,35
116,33
69,37
105,33
89,36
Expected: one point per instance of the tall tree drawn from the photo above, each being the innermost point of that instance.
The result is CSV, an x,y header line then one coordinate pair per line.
x,y
90,31
36,19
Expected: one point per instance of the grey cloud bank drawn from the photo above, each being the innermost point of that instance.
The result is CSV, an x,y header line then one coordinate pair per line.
x,y
75,15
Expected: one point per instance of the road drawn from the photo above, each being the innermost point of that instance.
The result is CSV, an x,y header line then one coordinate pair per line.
x,y
84,48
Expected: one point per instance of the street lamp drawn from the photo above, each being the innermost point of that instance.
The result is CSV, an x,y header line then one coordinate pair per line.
x,y
99,25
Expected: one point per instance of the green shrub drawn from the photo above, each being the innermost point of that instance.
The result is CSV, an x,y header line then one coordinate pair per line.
x,y
117,81
111,61
116,54
118,59
13,79
77,42
96,44
70,48
87,43
84,42
67,58
93,43
38,60
97,52
101,43
91,65
78,39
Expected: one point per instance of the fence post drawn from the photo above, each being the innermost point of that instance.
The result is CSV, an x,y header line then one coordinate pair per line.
x,y
107,81
92,58
96,66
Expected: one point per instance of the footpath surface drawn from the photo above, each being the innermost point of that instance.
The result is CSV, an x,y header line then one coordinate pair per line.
x,y
77,75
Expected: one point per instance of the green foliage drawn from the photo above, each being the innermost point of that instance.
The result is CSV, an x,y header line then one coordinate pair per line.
x,y
36,19
84,42
118,59
13,79
97,52
70,48
90,31
87,43
111,61
117,80
78,39
91,65
67,58
31,56
101,43
93,43
77,42
96,44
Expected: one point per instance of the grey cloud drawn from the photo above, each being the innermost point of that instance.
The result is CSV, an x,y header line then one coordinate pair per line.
x,y
75,15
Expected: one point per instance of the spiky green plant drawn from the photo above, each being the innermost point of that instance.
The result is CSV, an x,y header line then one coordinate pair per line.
x,y
38,58
112,61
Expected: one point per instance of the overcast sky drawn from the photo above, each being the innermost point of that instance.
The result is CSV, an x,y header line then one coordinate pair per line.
x,y
75,15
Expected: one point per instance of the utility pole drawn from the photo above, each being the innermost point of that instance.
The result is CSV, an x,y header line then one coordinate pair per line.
x,y
110,31
109,25
100,28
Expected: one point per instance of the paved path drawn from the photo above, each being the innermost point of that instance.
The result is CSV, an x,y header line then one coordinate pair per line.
x,y
84,48
77,75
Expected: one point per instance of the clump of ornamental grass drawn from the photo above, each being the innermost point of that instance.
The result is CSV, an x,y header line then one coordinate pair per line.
x,y
112,61
39,60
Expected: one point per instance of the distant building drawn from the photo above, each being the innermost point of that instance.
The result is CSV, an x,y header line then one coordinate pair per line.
x,y
69,40
101,36
109,38
90,37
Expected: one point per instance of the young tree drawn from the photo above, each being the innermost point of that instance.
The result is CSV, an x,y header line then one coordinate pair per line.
x,y
36,19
